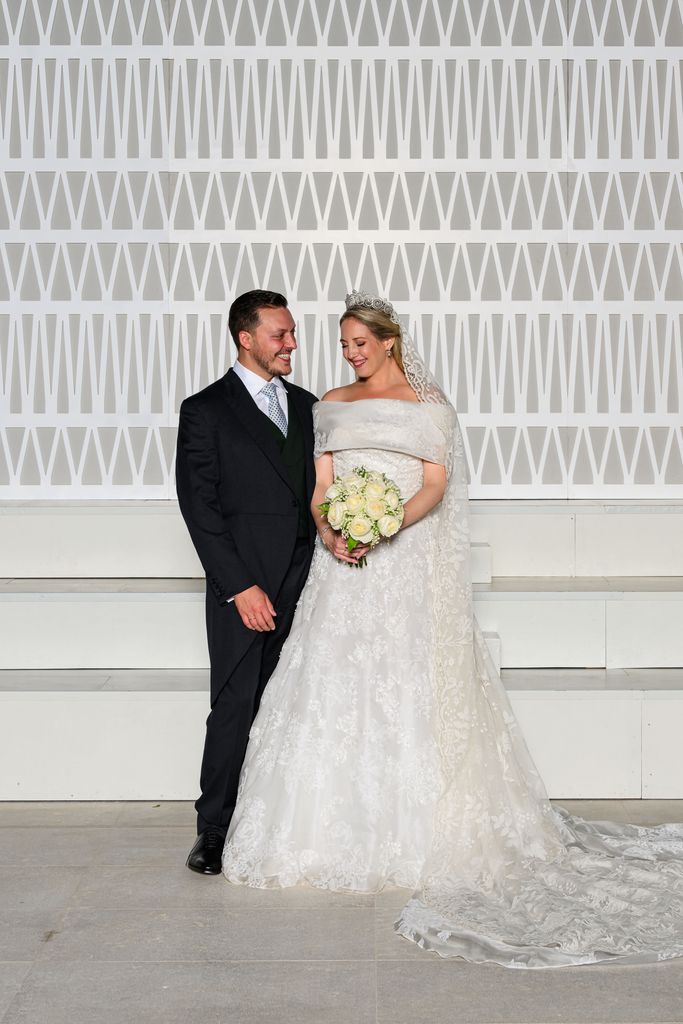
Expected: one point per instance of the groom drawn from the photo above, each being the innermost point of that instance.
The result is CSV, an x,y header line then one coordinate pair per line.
x,y
245,478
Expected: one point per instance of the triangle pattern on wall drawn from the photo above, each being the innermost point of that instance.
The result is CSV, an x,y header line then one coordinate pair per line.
x,y
509,174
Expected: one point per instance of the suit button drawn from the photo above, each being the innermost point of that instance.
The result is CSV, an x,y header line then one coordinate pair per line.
x,y
295,503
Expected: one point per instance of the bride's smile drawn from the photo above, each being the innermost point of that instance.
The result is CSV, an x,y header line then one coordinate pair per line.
x,y
365,353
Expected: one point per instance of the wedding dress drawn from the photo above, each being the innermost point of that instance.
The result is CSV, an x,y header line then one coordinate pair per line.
x,y
342,773
385,750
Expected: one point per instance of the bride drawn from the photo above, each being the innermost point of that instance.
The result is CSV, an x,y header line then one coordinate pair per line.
x,y
385,751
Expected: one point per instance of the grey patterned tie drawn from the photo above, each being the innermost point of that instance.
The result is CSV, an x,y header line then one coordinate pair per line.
x,y
274,408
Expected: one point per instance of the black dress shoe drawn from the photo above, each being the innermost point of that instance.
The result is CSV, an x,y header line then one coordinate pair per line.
x,y
205,855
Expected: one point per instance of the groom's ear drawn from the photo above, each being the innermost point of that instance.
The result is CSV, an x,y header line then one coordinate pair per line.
x,y
245,340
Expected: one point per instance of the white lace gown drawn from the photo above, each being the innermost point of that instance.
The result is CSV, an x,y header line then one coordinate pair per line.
x,y
342,773
385,750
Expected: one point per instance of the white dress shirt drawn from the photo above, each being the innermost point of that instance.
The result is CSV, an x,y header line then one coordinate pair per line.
x,y
253,383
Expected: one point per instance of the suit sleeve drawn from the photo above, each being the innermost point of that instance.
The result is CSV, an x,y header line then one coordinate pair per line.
x,y
197,477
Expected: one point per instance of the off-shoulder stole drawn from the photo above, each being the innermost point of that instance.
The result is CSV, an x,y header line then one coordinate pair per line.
x,y
392,424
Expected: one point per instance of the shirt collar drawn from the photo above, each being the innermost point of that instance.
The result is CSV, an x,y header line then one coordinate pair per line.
x,y
252,381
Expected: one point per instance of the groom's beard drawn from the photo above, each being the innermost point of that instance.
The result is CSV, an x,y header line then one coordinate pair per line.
x,y
272,364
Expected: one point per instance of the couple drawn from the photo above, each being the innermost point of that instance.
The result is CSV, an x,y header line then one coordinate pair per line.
x,y
385,750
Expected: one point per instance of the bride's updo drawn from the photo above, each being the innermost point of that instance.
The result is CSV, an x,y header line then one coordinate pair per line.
x,y
381,325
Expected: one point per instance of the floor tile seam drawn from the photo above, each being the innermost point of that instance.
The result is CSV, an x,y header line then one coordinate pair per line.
x,y
425,957
82,877
207,960
112,826
146,824
90,828
83,865
228,908
44,827
163,907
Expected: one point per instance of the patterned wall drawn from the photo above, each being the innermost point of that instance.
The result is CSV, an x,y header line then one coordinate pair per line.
x,y
507,171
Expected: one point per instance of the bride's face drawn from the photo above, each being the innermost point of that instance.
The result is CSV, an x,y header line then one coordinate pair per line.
x,y
361,349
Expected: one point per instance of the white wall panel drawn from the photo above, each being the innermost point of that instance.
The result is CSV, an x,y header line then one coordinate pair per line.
x,y
103,630
662,750
509,174
642,633
605,728
133,746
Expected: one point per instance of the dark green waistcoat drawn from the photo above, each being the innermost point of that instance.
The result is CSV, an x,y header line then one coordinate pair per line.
x,y
294,456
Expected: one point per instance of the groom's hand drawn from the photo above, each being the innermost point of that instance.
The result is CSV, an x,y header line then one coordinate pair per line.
x,y
255,609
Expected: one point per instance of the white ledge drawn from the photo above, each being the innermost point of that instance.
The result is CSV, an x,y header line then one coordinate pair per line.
x,y
156,506
521,587
601,683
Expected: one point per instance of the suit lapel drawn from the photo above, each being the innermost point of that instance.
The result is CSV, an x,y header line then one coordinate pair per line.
x,y
254,421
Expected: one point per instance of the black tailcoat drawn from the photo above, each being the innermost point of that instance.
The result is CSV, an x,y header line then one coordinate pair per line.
x,y
239,505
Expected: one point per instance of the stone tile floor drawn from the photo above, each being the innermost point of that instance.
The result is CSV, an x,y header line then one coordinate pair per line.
x,y
100,922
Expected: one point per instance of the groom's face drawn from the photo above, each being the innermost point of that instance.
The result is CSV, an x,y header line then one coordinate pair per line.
x,y
268,348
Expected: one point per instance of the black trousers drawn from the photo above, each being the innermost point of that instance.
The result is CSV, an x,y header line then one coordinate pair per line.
x,y
230,719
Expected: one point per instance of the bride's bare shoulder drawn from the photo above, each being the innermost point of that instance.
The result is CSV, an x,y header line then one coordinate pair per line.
x,y
337,395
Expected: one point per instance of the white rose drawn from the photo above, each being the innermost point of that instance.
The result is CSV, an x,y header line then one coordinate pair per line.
x,y
335,514
392,500
355,503
388,526
375,508
333,492
375,489
353,482
360,529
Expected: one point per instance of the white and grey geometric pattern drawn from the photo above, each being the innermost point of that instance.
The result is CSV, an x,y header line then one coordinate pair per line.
x,y
508,172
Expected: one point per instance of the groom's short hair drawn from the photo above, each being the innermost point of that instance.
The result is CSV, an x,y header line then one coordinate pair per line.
x,y
244,312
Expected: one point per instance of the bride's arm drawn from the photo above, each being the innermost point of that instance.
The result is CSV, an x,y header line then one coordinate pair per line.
x,y
323,479
332,539
429,495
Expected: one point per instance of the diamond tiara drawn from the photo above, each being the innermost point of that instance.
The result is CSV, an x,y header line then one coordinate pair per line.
x,y
363,300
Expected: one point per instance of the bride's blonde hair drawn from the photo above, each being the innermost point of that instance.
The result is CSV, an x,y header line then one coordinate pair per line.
x,y
381,325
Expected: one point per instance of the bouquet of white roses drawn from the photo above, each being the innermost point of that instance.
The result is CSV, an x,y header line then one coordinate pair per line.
x,y
364,506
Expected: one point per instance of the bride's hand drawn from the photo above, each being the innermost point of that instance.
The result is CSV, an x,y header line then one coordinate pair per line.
x,y
336,545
